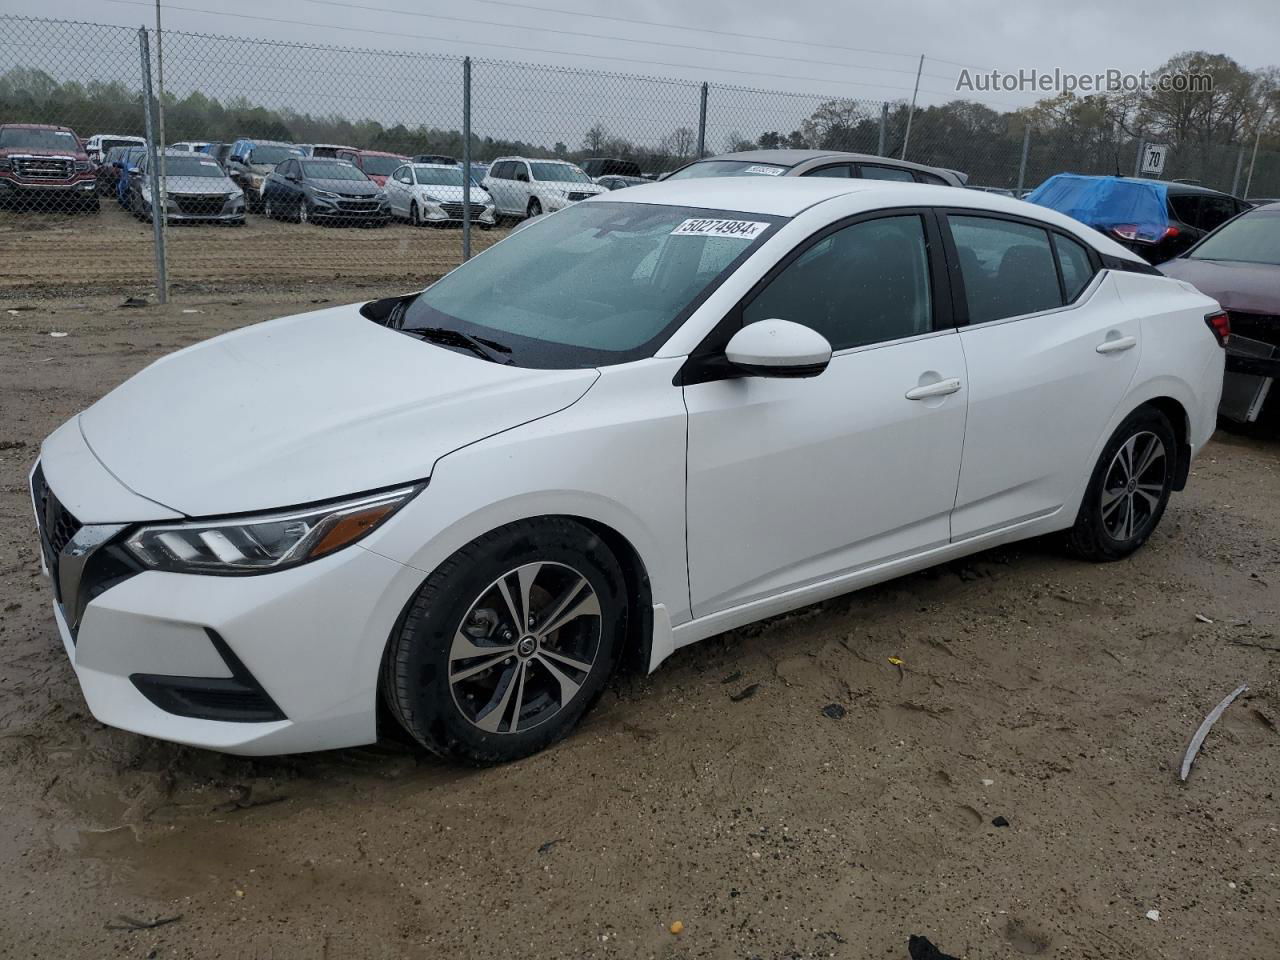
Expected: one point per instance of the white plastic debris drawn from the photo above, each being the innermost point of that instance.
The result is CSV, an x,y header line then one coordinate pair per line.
x,y
1202,618
1194,747
55,333
987,783
1153,915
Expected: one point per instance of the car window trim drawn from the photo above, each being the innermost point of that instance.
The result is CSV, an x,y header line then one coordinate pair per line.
x,y
707,363
885,166
960,304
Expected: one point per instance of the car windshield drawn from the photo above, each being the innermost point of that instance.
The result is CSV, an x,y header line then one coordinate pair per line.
x,y
440,176
331,170
191,166
595,284
558,172
382,166
108,144
36,139
1253,238
273,154
728,168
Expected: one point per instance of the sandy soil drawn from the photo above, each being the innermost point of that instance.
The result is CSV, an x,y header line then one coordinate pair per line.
x,y
717,792
110,251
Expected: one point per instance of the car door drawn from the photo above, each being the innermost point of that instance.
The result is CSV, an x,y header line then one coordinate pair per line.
x,y
1051,351
397,191
498,186
793,481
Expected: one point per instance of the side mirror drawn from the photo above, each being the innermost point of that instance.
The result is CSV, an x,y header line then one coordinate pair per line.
x,y
779,348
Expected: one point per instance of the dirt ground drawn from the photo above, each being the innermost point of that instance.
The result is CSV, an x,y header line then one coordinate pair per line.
x,y
717,792
80,254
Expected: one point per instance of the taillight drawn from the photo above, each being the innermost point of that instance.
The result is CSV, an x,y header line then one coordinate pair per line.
x,y
1220,324
1170,233
1125,231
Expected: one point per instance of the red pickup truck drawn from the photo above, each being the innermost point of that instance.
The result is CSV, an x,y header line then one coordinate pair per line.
x,y
45,166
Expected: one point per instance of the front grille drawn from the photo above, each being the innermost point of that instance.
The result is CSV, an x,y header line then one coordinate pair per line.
x,y
454,210
43,168
358,206
580,196
197,205
57,524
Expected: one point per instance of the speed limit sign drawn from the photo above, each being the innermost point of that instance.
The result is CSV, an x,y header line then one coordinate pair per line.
x,y
1153,155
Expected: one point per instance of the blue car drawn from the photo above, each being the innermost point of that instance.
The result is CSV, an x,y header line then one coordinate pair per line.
x,y
128,163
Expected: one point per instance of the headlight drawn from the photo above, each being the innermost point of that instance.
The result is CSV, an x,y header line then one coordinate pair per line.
x,y
325,194
257,180
84,166
430,199
263,543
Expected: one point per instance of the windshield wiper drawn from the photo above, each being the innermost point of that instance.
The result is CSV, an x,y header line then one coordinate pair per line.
x,y
482,347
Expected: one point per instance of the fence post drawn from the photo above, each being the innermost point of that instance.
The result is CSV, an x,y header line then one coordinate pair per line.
x,y
466,159
1137,160
884,128
160,200
1257,137
157,230
912,112
1235,181
1022,165
702,123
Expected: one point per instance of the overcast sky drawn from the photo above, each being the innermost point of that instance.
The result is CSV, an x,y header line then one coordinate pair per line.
x,y
1083,36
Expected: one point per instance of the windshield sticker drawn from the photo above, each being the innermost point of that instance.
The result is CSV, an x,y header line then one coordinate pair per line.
x,y
765,171
737,229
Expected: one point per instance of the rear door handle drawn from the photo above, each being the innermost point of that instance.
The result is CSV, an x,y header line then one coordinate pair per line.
x,y
939,389
1118,345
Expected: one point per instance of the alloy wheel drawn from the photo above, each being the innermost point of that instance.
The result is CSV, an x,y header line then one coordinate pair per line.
x,y
268,211
1133,486
302,212
525,647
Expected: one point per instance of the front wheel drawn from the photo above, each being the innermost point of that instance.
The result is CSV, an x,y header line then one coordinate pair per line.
x,y
415,215
268,210
535,208
303,214
1129,489
508,643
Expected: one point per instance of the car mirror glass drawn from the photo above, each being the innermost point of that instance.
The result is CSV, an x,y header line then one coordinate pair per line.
x,y
779,348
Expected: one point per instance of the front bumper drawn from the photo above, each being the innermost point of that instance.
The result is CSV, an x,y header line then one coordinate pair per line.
x,y
324,208
13,187
281,662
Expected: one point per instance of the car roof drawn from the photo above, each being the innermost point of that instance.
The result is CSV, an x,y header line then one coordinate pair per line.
x,y
436,166
38,126
373,153
1173,186
790,196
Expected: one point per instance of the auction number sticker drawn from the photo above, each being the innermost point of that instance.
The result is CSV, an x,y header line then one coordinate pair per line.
x,y
764,171
738,229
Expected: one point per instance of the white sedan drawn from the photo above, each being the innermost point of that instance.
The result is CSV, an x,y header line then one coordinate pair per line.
x,y
424,193
647,419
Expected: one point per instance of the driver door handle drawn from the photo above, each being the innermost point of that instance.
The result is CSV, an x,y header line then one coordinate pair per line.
x,y
941,388
1118,345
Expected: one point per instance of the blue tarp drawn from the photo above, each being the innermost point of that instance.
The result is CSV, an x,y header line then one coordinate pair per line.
x,y
1106,202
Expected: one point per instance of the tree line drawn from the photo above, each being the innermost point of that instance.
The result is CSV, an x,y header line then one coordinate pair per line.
x,y
1211,132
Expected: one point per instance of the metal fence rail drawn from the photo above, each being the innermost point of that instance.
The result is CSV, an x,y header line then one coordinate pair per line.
x,y
95,79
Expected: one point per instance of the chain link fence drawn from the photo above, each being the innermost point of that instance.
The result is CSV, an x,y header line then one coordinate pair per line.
x,y
289,164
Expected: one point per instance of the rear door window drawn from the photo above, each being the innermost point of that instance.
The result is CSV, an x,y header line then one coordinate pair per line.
x,y
1215,211
1008,268
842,170
1076,267
1186,207
875,171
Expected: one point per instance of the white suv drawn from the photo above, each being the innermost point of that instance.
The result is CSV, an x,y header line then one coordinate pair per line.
x,y
523,187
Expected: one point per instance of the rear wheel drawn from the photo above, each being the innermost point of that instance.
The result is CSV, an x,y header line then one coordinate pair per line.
x,y
508,642
303,214
1129,489
535,208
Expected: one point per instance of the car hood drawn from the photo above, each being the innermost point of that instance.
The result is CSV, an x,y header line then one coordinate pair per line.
x,y
1247,287
352,188
29,152
566,186
211,186
454,194
307,408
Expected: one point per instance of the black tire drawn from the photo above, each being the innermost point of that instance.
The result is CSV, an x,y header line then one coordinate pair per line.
x,y
1120,512
302,214
268,209
415,215
416,681
535,209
